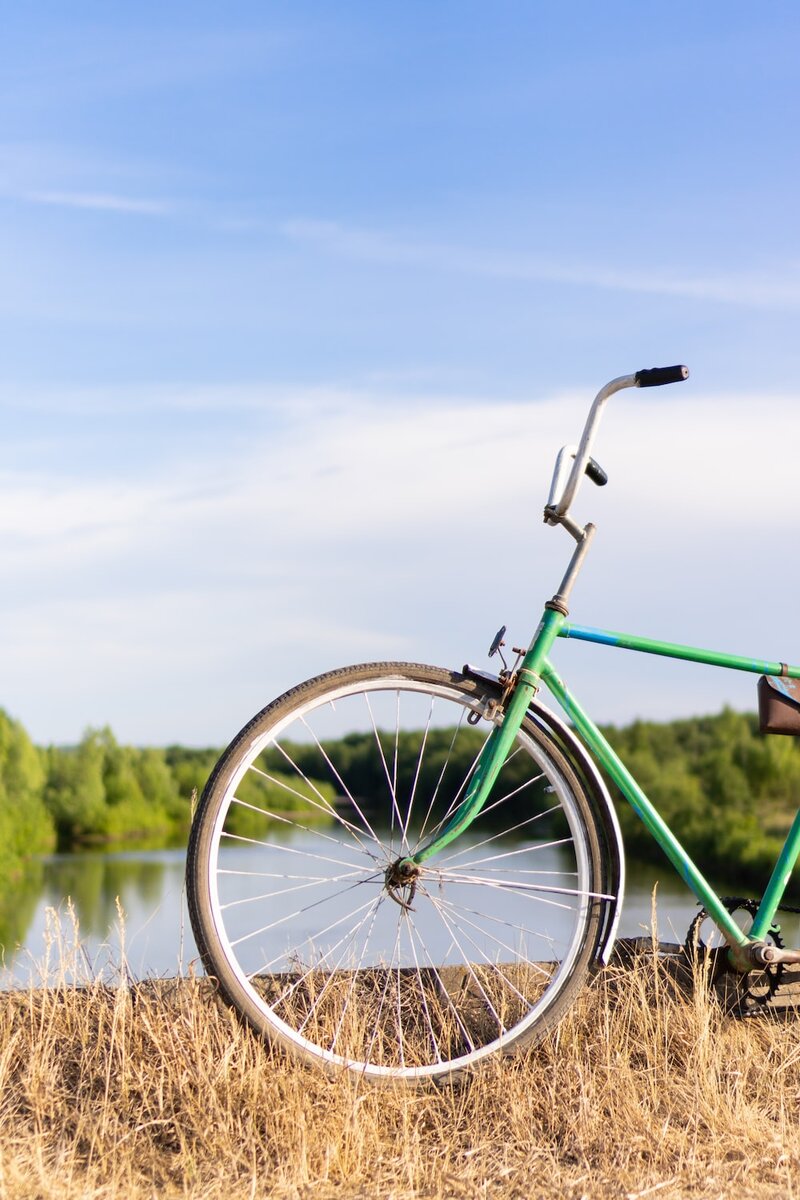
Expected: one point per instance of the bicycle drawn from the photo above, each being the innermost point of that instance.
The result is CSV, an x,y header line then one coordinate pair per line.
x,y
401,870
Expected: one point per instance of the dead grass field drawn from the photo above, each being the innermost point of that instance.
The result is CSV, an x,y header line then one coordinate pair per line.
x,y
155,1090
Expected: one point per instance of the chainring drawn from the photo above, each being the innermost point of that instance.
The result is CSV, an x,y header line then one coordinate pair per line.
x,y
755,989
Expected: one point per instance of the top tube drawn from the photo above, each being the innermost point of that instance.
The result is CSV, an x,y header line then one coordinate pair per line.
x,y
714,658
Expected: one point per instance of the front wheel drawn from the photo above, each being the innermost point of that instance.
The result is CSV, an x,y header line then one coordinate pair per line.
x,y
298,907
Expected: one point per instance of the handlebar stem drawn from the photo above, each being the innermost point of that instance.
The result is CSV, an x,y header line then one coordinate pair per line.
x,y
561,598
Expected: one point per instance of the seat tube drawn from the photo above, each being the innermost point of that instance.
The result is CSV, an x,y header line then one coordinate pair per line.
x,y
777,884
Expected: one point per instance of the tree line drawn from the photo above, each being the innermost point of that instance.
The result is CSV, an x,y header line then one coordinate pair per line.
x,y
57,798
729,793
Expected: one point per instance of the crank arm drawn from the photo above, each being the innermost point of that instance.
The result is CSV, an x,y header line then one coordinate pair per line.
x,y
769,955
752,955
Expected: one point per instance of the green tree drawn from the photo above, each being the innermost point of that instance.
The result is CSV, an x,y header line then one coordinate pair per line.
x,y
25,825
129,810
74,791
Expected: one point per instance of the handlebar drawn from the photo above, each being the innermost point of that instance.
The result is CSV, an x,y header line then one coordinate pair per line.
x,y
656,376
559,501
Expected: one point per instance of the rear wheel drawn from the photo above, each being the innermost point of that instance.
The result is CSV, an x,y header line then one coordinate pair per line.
x,y
301,915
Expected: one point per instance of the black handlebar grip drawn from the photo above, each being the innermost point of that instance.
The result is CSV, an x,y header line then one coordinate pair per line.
x,y
596,473
658,375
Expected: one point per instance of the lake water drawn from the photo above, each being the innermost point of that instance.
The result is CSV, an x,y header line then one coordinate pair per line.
x,y
96,910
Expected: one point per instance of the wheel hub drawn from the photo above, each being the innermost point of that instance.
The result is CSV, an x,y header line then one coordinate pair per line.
x,y
400,881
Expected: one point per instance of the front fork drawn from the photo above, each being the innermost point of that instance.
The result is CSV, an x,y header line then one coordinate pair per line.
x,y
495,749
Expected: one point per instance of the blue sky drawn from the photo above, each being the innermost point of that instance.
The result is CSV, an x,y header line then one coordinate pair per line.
x,y
297,304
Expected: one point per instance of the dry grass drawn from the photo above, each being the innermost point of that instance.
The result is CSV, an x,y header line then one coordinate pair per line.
x,y
155,1090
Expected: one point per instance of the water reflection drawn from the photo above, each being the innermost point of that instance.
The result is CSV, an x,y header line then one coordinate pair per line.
x,y
80,897
18,903
156,938
94,881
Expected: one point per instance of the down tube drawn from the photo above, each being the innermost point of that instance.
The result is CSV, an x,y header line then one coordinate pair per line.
x,y
638,801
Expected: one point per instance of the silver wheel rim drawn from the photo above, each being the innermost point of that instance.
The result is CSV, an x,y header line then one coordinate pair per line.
x,y
356,855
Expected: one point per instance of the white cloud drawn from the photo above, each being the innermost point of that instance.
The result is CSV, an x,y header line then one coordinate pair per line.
x,y
341,466
778,288
102,202
387,526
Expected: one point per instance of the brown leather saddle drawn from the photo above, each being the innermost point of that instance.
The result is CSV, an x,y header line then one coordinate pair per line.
x,y
779,704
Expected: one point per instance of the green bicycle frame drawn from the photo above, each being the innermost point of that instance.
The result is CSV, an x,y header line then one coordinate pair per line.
x,y
536,669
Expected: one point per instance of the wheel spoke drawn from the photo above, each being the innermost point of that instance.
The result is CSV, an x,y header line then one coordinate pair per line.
x,y
514,791
301,912
333,973
439,907
454,907
524,889
299,887
412,942
420,757
439,781
323,807
454,803
537,967
442,991
391,779
282,819
283,956
472,846
377,1025
340,781
505,854
284,849
353,984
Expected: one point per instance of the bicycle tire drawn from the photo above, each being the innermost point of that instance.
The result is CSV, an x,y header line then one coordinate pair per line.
x,y
293,911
